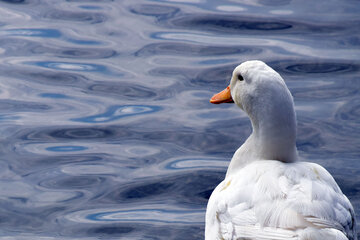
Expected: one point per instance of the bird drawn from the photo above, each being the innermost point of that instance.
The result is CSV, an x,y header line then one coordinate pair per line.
x,y
267,192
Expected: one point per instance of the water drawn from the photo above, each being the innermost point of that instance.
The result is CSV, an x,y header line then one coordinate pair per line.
x,y
106,129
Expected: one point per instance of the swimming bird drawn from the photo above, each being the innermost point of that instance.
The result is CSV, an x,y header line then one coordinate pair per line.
x,y
267,193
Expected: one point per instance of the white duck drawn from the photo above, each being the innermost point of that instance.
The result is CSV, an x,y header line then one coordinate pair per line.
x,y
266,193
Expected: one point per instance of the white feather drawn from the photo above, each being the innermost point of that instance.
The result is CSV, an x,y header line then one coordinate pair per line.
x,y
267,194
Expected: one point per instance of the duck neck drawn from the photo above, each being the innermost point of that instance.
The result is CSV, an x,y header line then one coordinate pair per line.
x,y
273,136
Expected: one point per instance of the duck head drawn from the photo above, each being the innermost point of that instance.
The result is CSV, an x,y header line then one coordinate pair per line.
x,y
262,93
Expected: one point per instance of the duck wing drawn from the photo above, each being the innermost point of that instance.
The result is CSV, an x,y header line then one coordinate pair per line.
x,y
275,200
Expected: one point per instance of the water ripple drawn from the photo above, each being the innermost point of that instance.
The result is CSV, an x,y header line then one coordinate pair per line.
x,y
191,186
81,133
229,23
349,111
332,91
48,33
19,106
82,53
106,127
66,148
51,197
161,12
117,112
49,77
33,32
87,17
15,1
53,95
123,90
72,182
320,68
146,214
70,66
235,24
184,49
88,169
196,163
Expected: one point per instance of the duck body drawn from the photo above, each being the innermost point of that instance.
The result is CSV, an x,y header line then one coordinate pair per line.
x,y
267,193
269,199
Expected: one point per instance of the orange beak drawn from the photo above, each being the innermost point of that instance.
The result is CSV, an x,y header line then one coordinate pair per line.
x,y
222,97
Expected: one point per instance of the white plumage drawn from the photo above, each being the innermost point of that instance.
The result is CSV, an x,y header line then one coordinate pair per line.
x,y
267,193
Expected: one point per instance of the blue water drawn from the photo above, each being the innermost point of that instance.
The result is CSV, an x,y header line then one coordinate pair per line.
x,y
106,127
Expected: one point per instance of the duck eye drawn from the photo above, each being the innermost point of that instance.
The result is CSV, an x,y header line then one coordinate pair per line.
x,y
240,77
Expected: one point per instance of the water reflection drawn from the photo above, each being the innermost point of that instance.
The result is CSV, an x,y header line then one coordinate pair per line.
x,y
116,112
79,133
83,17
66,148
154,214
124,90
192,50
230,24
321,68
161,12
194,163
14,1
53,95
70,66
349,111
33,32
